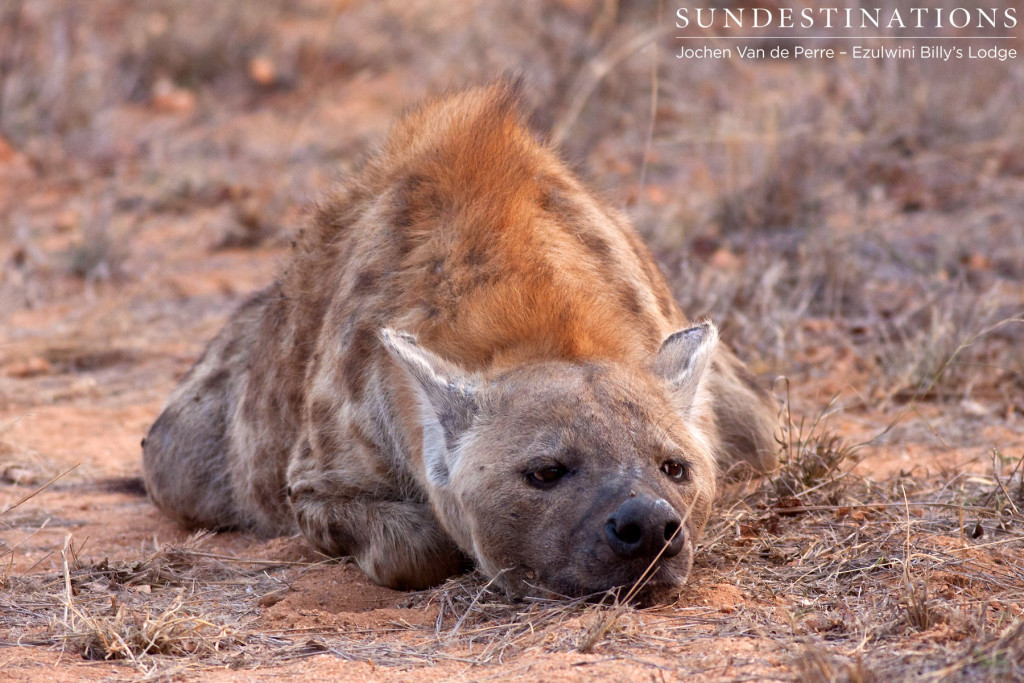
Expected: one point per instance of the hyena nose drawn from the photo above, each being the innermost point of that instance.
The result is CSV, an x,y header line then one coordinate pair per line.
x,y
642,526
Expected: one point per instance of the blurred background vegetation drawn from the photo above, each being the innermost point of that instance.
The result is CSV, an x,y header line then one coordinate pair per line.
x,y
855,217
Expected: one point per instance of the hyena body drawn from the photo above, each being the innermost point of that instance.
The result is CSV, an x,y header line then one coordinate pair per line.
x,y
467,357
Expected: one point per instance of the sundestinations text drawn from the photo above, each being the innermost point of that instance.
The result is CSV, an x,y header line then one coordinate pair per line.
x,y
847,17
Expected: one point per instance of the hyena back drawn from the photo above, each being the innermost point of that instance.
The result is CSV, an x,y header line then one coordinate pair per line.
x,y
468,357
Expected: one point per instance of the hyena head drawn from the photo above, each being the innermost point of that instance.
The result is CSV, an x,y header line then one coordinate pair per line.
x,y
571,477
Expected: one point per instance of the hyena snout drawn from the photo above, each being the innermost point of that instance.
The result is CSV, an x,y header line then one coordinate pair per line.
x,y
642,526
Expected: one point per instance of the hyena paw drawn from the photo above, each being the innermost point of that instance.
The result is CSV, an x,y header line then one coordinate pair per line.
x,y
398,544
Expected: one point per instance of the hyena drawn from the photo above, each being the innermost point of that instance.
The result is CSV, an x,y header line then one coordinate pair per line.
x,y
468,358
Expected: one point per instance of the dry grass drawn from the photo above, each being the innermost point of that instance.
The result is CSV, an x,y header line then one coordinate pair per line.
x,y
846,224
125,634
852,578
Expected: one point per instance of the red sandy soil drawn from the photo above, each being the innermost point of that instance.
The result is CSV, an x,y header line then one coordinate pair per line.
x,y
86,364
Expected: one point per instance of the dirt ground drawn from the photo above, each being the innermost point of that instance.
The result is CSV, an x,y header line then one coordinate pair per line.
x,y
856,229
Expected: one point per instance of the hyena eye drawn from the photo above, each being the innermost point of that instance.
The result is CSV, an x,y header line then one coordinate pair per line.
x,y
676,470
546,477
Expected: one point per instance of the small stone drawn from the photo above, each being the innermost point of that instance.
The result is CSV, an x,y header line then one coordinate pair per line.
x,y
17,474
168,97
262,71
31,367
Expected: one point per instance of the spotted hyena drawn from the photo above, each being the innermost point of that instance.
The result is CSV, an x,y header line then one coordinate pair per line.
x,y
468,358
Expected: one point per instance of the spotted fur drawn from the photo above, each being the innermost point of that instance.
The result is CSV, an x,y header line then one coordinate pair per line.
x,y
458,316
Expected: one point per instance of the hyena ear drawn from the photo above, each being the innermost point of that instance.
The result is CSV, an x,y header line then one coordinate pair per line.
x,y
684,360
446,396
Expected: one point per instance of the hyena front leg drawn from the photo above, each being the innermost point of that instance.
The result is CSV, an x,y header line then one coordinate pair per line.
x,y
397,543
347,504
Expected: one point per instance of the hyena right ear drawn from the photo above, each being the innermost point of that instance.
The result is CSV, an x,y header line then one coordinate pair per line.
x,y
446,396
684,359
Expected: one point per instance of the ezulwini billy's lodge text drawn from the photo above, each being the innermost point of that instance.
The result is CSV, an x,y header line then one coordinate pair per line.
x,y
938,52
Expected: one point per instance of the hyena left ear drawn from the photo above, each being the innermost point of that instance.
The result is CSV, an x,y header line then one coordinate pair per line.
x,y
446,396
684,360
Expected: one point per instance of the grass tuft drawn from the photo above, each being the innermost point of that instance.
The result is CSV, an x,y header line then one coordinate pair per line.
x,y
125,633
